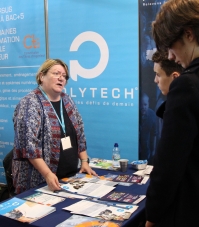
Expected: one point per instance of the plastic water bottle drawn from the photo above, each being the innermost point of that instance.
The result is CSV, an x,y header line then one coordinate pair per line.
x,y
116,155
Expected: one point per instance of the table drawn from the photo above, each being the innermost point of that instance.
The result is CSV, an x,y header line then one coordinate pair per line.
x,y
60,215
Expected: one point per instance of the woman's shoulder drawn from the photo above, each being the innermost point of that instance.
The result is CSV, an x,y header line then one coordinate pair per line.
x,y
31,98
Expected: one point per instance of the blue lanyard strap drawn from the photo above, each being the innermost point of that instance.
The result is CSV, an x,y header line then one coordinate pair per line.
x,y
62,123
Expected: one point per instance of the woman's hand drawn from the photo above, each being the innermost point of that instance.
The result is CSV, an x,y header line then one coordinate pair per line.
x,y
52,181
51,178
86,168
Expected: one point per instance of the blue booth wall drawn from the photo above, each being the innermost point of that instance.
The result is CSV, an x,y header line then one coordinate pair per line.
x,y
22,50
99,41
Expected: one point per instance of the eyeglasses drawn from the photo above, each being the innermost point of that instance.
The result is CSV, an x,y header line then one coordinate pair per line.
x,y
57,74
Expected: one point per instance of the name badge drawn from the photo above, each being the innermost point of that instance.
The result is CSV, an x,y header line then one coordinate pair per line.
x,y
66,143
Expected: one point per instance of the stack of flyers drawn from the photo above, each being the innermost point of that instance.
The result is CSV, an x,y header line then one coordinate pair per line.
x,y
61,193
44,199
123,197
83,221
82,177
103,164
125,178
87,189
102,211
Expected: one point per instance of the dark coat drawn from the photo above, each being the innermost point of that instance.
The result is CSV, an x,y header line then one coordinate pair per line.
x,y
173,192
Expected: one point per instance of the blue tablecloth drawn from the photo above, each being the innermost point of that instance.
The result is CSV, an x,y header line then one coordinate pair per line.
x,y
60,215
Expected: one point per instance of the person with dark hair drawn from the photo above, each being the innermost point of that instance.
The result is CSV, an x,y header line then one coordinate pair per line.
x,y
49,132
165,71
172,196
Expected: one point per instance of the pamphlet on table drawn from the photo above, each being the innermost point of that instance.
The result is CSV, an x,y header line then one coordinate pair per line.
x,y
83,221
101,211
82,177
123,197
112,203
61,193
45,199
103,164
128,178
23,210
87,189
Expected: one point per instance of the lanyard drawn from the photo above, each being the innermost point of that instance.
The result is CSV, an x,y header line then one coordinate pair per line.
x,y
62,123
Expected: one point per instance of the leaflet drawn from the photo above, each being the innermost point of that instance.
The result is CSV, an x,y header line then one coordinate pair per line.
x,y
101,211
83,221
103,164
87,189
61,193
82,177
123,197
44,199
23,210
126,178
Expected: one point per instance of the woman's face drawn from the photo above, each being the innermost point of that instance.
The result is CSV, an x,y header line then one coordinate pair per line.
x,y
53,81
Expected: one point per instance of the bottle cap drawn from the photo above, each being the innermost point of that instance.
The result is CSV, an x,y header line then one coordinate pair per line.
x,y
116,145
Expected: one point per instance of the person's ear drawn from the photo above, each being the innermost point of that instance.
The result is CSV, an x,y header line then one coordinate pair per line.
x,y
175,75
41,76
189,34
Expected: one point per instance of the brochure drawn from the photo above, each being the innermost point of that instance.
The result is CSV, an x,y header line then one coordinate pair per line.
x,y
87,189
82,221
61,193
103,164
82,177
44,199
23,210
102,211
125,178
111,203
123,197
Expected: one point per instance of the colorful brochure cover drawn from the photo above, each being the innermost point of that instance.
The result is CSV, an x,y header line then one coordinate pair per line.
x,y
82,177
61,193
128,178
123,197
102,211
87,189
83,221
23,210
103,164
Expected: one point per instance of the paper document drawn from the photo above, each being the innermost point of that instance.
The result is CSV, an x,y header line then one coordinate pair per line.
x,y
102,211
45,199
61,193
87,189
83,221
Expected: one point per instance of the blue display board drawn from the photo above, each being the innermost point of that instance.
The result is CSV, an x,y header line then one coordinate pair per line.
x,y
99,42
22,50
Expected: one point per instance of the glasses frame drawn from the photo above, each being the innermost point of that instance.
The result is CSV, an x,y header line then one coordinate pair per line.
x,y
57,74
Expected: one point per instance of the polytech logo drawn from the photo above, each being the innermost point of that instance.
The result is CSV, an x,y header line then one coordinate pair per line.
x,y
30,42
76,68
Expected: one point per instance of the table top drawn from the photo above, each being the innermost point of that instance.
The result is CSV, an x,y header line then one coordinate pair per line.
x,y
61,215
